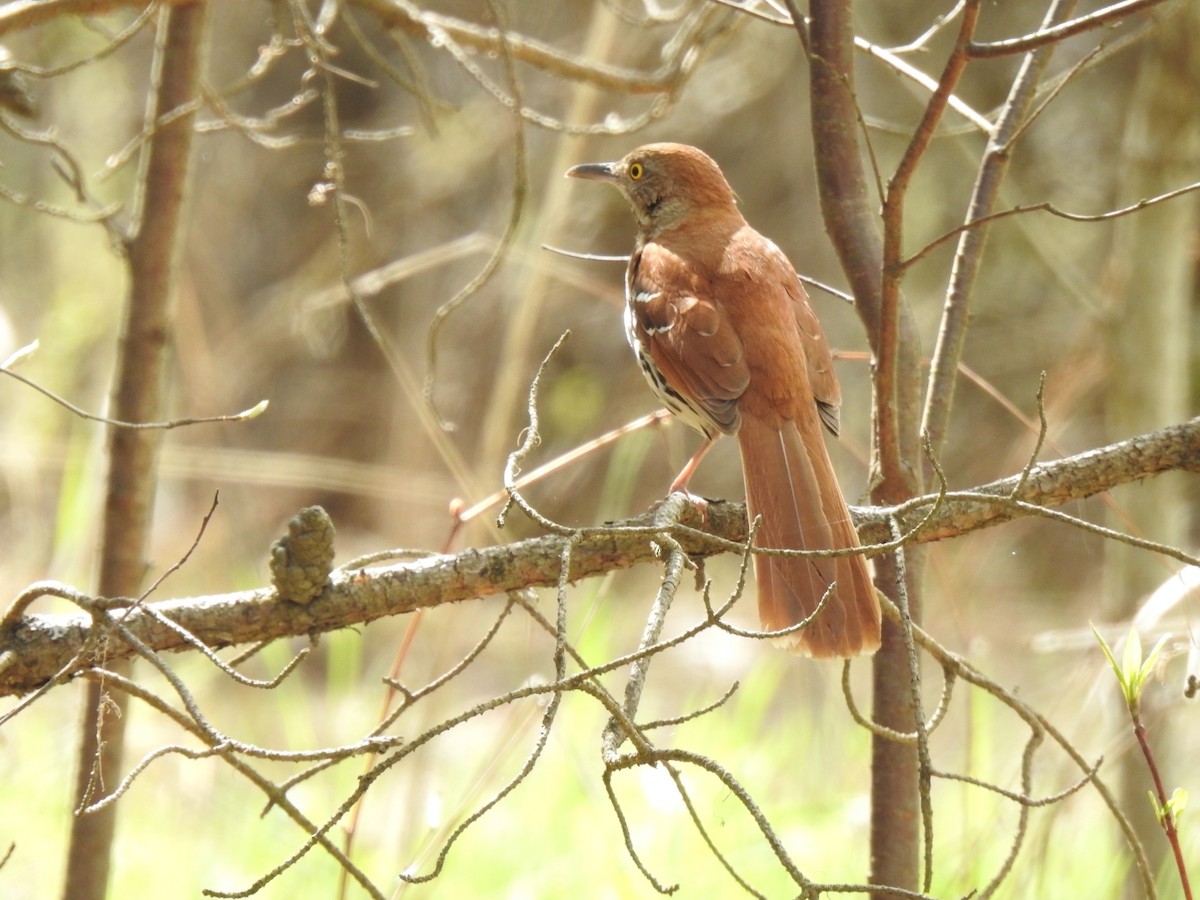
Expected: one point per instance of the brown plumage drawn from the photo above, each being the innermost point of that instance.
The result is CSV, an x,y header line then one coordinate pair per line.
x,y
724,334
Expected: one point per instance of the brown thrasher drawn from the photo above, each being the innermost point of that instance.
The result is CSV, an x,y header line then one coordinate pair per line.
x,y
724,334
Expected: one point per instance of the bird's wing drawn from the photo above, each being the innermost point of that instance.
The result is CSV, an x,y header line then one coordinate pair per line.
x,y
687,336
817,356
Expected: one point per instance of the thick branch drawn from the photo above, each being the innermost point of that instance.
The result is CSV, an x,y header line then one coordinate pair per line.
x,y
1061,481
35,648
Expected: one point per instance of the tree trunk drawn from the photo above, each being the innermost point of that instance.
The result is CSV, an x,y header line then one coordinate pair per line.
x,y
138,391
852,222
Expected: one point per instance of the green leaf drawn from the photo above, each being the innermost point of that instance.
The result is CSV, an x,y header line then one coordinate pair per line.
x,y
1173,807
1131,661
1132,671
1112,661
1152,659
1177,804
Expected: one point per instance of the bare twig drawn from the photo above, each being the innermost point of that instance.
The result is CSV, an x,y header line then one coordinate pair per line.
x,y
993,167
1039,727
901,737
925,762
676,563
886,341
1052,34
520,191
891,57
654,419
1049,207
243,416
434,27
531,439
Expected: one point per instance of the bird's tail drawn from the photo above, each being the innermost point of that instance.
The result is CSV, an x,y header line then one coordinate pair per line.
x,y
790,483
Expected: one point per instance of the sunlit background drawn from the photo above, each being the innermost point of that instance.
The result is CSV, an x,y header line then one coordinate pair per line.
x,y
1104,309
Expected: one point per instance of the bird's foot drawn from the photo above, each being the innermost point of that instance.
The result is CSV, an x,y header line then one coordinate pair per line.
x,y
675,507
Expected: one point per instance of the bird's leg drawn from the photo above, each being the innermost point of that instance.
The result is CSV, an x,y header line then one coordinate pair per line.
x,y
680,484
685,474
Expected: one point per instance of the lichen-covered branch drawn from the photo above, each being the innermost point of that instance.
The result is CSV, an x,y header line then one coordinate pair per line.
x,y
34,649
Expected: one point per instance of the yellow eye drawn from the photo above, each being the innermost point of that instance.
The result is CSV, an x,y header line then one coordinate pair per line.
x,y
636,171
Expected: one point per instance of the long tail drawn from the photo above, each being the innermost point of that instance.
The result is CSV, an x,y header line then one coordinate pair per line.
x,y
790,483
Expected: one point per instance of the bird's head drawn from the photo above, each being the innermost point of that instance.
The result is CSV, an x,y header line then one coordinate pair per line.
x,y
665,185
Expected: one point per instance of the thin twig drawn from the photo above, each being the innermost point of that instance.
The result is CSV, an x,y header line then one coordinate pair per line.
x,y
1047,206
520,191
889,56
244,416
952,331
677,561
1050,35
531,439
924,761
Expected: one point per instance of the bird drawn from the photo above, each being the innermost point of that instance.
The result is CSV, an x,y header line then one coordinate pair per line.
x,y
723,331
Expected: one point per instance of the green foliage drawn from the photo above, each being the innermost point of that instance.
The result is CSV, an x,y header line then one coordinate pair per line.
x,y
1132,671
1173,808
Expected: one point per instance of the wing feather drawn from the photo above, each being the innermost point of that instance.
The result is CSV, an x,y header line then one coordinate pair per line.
x,y
688,338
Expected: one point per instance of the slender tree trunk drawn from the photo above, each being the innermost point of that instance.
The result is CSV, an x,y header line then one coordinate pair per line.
x,y
852,221
138,392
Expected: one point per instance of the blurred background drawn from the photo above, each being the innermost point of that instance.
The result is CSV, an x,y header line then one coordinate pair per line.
x,y
1104,309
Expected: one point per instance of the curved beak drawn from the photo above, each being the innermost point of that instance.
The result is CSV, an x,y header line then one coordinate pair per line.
x,y
595,172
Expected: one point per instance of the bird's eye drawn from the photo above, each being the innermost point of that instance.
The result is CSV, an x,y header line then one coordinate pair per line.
x,y
636,171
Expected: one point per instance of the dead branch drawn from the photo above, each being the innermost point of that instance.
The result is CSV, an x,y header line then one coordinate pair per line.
x,y
36,649
437,28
